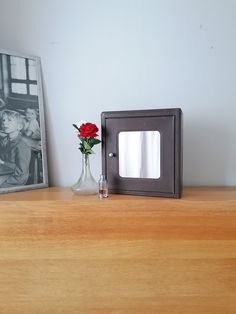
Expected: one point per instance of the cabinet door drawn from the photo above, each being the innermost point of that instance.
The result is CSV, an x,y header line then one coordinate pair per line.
x,y
142,151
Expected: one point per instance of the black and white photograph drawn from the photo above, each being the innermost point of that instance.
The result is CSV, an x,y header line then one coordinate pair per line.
x,y
23,160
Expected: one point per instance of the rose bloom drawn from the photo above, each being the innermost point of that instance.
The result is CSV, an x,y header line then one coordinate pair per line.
x,y
88,129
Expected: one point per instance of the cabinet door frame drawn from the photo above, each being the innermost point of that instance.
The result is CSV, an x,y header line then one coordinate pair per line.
x,y
169,123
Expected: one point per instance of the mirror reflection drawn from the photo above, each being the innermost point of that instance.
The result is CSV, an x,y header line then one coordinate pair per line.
x,y
139,154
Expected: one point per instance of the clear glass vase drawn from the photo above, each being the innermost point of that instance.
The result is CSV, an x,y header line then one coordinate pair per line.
x,y
86,185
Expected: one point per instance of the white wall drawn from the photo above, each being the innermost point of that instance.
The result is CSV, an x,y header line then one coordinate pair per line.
x,y
102,55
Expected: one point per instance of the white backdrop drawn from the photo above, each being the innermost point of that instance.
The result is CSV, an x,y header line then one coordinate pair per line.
x,y
133,54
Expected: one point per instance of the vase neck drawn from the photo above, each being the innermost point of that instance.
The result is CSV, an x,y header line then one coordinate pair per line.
x,y
85,159
85,165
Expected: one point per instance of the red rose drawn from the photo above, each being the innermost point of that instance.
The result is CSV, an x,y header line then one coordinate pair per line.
x,y
88,129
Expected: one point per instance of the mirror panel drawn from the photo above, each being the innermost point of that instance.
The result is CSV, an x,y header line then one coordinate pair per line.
x,y
139,154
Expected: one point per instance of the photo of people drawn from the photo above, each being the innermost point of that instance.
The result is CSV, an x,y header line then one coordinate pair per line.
x,y
22,146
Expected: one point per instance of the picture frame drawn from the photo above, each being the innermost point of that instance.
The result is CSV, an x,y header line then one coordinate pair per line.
x,y
23,155
142,151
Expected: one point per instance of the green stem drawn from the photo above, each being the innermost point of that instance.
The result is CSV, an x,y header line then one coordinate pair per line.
x,y
86,159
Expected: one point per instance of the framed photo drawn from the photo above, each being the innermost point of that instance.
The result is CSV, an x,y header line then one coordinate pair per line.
x,y
23,158
142,152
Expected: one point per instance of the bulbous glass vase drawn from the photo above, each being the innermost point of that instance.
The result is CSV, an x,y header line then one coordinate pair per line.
x,y
86,185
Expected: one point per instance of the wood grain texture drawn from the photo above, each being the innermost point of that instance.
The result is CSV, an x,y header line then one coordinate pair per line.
x,y
62,253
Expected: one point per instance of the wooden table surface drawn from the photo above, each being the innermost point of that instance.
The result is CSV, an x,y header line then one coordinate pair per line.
x,y
61,253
